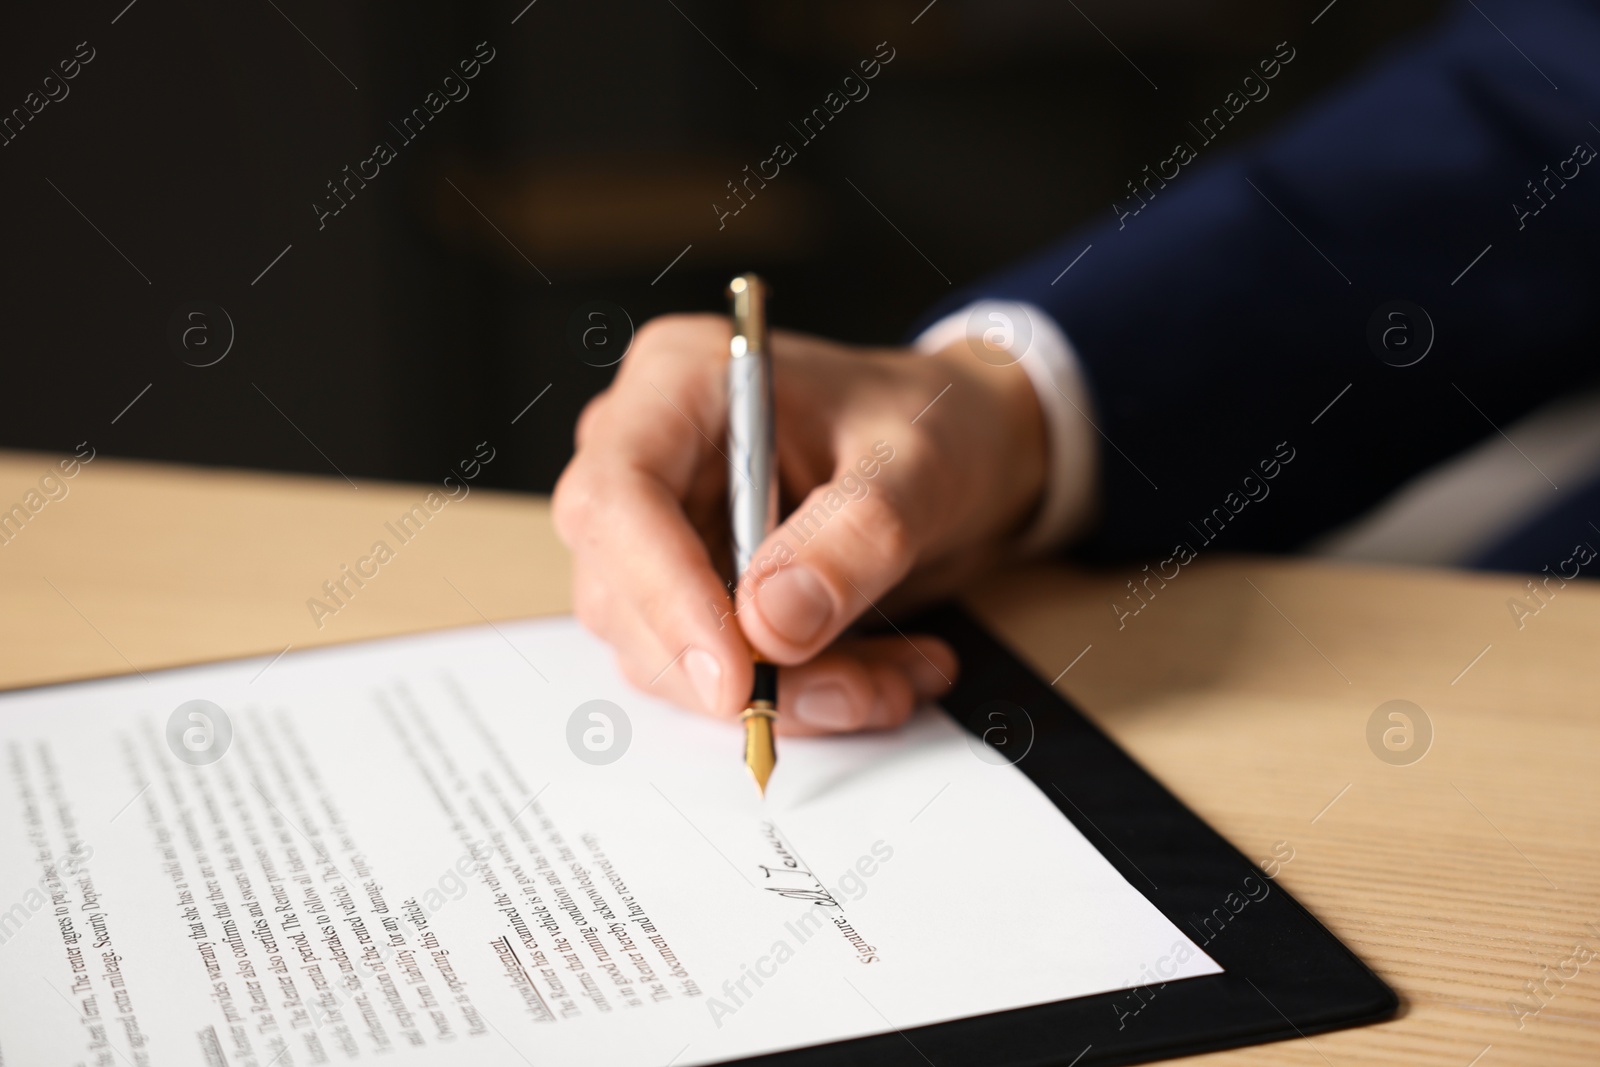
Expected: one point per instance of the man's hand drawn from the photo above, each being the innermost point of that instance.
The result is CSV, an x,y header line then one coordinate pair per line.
x,y
906,474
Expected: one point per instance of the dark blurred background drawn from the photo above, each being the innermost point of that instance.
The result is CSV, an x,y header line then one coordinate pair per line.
x,y
181,170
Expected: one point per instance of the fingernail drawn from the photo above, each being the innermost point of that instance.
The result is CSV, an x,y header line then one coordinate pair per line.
x,y
825,706
795,603
706,675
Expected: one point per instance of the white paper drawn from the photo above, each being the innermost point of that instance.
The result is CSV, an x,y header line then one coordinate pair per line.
x,y
398,855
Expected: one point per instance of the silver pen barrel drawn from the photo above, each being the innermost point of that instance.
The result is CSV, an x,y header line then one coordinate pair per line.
x,y
753,481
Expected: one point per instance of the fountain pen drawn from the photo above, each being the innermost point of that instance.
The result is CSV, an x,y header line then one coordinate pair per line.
x,y
752,491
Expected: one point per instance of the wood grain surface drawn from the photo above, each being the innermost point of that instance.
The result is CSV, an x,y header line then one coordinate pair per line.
x,y
1469,878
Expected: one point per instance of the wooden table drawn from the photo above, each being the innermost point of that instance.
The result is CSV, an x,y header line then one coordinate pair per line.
x,y
1245,685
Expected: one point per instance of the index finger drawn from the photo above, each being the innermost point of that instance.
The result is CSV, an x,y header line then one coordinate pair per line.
x,y
667,412
647,460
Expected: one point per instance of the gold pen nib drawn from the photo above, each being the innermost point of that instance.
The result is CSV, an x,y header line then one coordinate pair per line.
x,y
760,755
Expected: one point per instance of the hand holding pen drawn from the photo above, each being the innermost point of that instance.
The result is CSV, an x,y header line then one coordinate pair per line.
x,y
900,476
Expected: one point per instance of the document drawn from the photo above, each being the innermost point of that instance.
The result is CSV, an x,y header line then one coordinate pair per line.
x,y
481,845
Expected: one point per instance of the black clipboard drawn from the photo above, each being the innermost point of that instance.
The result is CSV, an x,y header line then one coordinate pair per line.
x,y
1284,975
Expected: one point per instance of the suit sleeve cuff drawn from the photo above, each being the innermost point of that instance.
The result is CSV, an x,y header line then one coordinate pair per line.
x,y
1002,332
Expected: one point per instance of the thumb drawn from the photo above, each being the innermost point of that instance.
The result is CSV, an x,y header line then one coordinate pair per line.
x,y
850,541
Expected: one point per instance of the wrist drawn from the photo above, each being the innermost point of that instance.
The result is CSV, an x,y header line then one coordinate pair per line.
x,y
1007,446
1021,336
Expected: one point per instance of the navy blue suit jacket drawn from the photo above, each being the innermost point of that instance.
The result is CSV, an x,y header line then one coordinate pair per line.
x,y
1219,321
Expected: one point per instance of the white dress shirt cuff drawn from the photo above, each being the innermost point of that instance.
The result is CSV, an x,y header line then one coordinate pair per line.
x,y
1002,332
